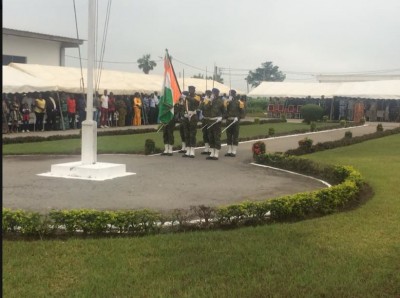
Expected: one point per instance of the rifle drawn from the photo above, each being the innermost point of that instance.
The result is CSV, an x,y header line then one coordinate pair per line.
x,y
229,125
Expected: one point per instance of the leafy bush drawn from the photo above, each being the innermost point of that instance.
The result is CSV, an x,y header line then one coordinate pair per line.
x,y
348,134
256,106
271,131
258,148
343,142
379,127
311,112
305,145
313,126
273,120
256,121
149,147
343,123
325,118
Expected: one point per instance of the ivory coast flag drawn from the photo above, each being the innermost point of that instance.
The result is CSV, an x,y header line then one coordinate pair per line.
x,y
171,92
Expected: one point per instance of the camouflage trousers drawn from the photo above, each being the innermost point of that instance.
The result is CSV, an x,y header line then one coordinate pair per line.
x,y
190,127
168,133
214,134
232,133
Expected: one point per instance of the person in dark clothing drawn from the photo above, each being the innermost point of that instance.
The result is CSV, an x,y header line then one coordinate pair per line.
x,y
81,110
51,112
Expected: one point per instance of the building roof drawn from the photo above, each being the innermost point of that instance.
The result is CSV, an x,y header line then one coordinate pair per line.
x,y
66,42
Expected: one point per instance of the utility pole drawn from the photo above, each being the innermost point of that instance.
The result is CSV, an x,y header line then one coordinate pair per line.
x,y
230,81
215,74
206,77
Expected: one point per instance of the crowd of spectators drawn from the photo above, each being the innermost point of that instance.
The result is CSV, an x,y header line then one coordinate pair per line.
x,y
48,111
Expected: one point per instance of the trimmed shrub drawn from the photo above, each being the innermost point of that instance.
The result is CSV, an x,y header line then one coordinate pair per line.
x,y
313,126
258,148
271,131
149,147
343,142
348,134
256,120
311,112
379,127
305,145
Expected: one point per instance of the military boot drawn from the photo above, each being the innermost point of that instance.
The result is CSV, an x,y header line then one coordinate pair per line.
x,y
229,153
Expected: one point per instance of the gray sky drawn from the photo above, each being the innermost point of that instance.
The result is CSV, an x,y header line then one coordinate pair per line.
x,y
299,36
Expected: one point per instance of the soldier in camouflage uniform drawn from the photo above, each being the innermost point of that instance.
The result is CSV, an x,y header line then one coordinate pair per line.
x,y
168,131
190,121
179,117
217,112
206,114
235,111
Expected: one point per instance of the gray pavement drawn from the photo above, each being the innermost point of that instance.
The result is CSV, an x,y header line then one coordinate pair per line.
x,y
161,182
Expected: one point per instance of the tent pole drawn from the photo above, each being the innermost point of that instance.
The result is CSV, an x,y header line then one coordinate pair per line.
x,y
61,114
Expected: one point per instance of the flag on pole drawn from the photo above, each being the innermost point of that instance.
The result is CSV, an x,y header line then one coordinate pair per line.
x,y
170,92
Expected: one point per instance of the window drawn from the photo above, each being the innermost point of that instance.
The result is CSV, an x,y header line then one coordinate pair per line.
x,y
7,59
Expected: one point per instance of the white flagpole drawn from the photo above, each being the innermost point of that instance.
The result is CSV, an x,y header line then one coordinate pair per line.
x,y
89,126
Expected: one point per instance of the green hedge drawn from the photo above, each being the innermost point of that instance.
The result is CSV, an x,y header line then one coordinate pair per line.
x,y
146,222
346,141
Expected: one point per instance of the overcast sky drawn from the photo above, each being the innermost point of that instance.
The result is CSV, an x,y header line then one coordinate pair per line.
x,y
299,36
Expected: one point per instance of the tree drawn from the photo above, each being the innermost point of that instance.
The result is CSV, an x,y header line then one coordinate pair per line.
x,y
218,77
146,64
267,72
200,76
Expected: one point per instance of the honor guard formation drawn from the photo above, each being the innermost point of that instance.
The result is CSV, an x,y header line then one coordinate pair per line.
x,y
210,109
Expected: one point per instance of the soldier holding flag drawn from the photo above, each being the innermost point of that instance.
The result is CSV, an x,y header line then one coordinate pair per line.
x,y
168,103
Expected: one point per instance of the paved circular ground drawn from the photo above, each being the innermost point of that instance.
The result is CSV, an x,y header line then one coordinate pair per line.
x,y
161,182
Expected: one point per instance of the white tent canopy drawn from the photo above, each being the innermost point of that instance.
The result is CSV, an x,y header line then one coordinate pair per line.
x,y
288,89
15,81
69,79
371,89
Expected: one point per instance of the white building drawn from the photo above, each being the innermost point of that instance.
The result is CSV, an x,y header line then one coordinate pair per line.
x,y
36,48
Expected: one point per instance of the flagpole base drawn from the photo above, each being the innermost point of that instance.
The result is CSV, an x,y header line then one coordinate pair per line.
x,y
99,171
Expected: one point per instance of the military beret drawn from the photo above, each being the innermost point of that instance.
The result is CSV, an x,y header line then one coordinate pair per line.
x,y
215,90
192,87
232,92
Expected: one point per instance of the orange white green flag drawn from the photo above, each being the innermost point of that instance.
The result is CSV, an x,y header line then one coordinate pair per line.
x,y
170,92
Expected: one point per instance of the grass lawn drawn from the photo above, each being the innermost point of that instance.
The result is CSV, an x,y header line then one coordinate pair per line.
x,y
135,143
349,254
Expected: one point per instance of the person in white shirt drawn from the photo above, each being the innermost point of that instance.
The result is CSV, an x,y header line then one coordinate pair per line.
x,y
104,110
